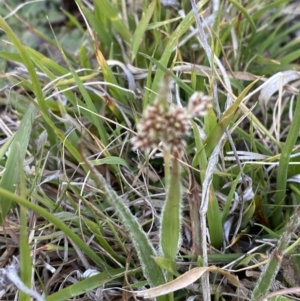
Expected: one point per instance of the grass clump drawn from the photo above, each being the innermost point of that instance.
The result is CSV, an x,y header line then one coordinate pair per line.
x,y
149,146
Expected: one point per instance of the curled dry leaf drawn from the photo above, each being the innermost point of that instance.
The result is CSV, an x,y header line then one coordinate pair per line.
x,y
275,82
294,179
185,280
244,155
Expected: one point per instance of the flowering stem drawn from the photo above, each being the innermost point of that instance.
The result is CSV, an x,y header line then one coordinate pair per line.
x,y
167,160
171,215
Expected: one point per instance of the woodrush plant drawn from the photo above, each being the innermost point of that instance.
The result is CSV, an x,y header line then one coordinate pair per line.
x,y
165,125
251,40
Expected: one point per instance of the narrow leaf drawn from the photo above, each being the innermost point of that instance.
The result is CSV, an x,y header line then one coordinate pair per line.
x,y
218,131
16,154
144,249
9,196
138,35
87,285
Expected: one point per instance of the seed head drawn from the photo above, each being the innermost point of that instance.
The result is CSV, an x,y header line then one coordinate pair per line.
x,y
169,124
199,104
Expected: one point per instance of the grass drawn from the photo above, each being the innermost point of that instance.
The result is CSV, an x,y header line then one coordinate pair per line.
x,y
118,182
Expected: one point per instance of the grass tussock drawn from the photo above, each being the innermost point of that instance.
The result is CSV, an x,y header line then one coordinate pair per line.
x,y
149,149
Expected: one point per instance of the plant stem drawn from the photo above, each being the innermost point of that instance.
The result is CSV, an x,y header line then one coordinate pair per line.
x,y
284,163
270,272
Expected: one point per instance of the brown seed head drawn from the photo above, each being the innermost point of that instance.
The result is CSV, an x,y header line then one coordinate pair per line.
x,y
169,124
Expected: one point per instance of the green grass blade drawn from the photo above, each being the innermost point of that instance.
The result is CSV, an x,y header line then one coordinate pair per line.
x,y
214,217
9,196
110,160
87,285
245,13
105,6
140,30
268,6
97,231
177,80
90,105
25,259
17,153
218,131
144,249
230,196
284,164
36,86
173,40
270,271
13,57
109,11
46,63
6,146
26,61
215,221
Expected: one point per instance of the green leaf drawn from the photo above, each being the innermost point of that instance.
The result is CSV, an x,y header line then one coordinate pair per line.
x,y
230,196
167,265
280,298
17,153
269,231
284,163
88,284
6,146
96,230
177,80
172,43
138,35
36,86
218,131
245,13
214,217
25,259
141,242
110,160
248,214
9,196
109,11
